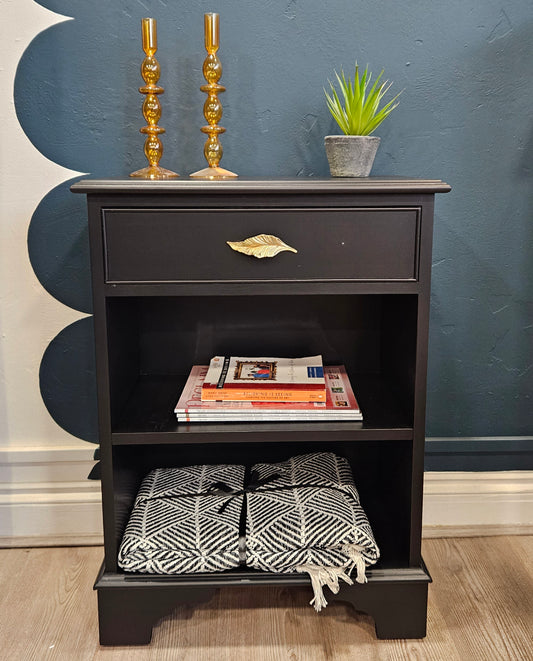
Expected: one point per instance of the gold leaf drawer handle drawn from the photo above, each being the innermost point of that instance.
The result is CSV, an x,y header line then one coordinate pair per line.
x,y
262,245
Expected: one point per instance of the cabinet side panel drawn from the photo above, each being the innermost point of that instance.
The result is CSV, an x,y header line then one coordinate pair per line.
x,y
102,378
422,338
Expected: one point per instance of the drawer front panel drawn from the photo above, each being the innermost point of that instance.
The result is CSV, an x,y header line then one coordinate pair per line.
x,y
159,245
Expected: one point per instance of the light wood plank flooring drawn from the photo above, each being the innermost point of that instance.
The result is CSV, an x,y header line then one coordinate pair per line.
x,y
480,608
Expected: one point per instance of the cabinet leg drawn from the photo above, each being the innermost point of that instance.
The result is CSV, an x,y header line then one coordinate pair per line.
x,y
399,611
126,616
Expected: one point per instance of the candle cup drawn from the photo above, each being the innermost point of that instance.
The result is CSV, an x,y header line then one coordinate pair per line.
x,y
149,35
211,30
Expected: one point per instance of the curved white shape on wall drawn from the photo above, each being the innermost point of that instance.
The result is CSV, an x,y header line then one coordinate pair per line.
x,y
30,317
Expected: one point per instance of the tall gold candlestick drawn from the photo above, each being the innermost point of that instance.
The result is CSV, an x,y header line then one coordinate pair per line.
x,y
212,71
150,71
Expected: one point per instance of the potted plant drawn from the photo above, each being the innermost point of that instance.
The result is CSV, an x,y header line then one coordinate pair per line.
x,y
357,112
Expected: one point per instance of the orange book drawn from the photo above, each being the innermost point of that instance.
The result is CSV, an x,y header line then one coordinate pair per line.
x,y
233,395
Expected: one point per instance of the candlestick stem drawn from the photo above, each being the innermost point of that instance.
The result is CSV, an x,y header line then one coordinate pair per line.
x,y
212,70
151,108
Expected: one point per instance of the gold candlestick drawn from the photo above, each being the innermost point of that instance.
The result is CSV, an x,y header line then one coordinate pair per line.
x,y
150,71
212,71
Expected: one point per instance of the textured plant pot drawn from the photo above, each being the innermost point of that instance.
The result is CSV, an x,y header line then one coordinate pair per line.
x,y
351,155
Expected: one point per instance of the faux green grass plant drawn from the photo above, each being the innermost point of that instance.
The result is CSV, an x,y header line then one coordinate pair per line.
x,y
358,113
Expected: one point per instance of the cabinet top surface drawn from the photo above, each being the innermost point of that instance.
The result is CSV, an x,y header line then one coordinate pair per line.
x,y
250,185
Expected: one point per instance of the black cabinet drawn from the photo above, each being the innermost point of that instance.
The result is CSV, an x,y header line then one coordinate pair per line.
x,y
169,293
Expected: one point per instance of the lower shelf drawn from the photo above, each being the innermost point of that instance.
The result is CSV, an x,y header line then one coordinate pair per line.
x,y
130,605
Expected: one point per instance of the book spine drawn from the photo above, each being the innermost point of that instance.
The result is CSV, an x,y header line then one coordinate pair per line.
x,y
215,394
264,386
223,373
265,419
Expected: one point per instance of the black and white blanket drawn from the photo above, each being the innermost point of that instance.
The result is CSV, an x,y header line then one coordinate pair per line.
x,y
301,515
309,519
176,525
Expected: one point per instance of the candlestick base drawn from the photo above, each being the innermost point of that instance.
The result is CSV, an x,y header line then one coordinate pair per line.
x,y
213,172
154,172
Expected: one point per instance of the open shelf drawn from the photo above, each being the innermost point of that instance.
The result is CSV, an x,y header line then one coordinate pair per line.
x,y
154,342
381,472
148,416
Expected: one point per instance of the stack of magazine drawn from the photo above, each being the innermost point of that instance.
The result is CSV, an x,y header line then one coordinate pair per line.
x,y
267,389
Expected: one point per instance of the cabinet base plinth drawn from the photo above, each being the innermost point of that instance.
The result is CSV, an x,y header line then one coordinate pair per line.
x,y
399,611
129,606
127,616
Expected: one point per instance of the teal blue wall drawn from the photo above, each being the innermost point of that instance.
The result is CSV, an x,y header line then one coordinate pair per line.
x,y
465,117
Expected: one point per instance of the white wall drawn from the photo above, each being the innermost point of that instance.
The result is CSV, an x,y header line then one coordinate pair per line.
x,y
29,317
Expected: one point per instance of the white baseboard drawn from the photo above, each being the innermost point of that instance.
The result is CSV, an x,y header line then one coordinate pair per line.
x,y
467,504
46,500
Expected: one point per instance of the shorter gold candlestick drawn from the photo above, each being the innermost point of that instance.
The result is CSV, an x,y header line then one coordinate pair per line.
x,y
150,71
212,71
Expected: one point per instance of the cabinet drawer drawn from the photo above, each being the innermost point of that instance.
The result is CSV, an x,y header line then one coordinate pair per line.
x,y
170,245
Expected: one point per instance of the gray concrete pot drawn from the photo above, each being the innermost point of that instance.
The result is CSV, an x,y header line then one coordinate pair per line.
x,y
351,155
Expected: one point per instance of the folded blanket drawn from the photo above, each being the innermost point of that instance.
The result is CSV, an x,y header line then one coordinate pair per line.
x,y
309,519
177,525
301,515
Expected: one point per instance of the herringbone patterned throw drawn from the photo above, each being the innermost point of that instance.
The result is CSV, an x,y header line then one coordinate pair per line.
x,y
174,530
301,515
309,520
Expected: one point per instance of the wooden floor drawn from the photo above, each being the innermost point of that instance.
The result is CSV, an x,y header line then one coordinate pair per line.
x,y
480,607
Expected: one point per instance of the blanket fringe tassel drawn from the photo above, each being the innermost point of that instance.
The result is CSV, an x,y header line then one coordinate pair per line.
x,y
330,576
353,551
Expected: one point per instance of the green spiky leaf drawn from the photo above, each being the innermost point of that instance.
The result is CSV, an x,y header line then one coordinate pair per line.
x,y
357,110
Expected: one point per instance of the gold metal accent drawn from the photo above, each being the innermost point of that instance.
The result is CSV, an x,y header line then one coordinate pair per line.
x,y
150,71
212,71
262,245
